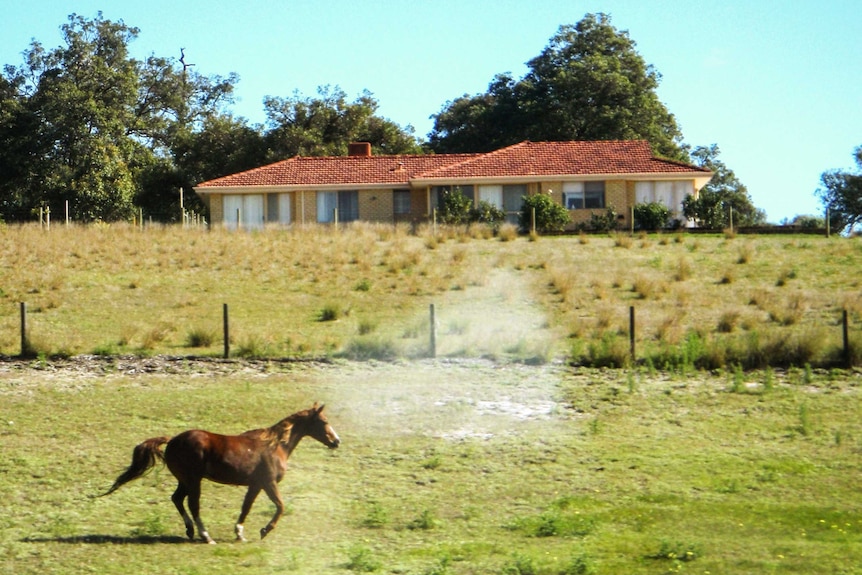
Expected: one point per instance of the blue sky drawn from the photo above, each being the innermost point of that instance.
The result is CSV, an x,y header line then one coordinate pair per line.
x,y
776,84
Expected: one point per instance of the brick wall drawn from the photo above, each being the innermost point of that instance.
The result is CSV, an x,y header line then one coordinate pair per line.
x,y
375,206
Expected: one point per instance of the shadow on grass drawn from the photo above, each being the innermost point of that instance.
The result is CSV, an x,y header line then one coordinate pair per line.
x,y
109,539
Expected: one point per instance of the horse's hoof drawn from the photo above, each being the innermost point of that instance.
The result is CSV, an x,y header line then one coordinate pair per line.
x,y
263,532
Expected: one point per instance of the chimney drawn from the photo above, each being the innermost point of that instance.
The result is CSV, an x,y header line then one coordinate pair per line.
x,y
360,149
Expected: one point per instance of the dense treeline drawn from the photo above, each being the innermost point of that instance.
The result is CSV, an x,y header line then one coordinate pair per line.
x,y
88,126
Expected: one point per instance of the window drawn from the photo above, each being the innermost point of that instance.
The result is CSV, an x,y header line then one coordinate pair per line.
x,y
245,209
584,195
278,208
401,202
513,201
668,193
347,204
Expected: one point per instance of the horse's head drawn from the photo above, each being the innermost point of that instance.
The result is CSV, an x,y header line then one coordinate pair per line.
x,y
317,426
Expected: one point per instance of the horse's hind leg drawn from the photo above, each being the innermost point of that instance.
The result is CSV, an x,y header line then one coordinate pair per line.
x,y
194,491
178,497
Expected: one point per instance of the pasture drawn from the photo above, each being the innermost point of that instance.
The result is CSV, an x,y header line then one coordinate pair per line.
x,y
446,466
731,445
364,292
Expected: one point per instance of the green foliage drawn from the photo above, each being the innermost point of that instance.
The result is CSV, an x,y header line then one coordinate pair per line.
x,y
454,208
651,216
424,522
377,516
677,551
362,560
589,83
326,124
88,124
200,338
486,213
603,222
841,193
722,195
549,215
331,311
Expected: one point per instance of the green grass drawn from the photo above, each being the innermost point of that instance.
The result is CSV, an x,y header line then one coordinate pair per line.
x,y
444,468
504,456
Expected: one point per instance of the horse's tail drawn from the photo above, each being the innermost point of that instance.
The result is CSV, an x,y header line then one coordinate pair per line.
x,y
143,459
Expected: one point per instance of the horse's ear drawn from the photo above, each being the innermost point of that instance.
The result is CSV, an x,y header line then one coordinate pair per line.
x,y
318,407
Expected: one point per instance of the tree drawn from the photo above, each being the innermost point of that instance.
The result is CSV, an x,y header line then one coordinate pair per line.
x,y
841,194
325,125
712,207
88,124
589,83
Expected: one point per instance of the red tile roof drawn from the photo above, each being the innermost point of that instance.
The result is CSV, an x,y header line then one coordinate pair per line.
x,y
526,159
338,170
563,158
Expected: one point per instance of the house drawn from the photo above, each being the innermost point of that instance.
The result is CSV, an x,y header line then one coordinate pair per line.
x,y
585,177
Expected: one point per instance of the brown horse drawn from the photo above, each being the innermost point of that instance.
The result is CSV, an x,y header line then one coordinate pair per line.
x,y
256,458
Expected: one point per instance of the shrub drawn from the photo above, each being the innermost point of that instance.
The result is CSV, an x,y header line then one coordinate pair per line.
x,y
454,207
651,216
489,214
604,222
330,312
612,350
200,338
549,215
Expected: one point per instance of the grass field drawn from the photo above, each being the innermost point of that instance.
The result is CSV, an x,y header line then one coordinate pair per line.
x,y
464,466
701,301
512,453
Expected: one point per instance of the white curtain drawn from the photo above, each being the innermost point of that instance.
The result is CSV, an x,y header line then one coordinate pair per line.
x,y
284,209
249,208
492,194
252,212
644,192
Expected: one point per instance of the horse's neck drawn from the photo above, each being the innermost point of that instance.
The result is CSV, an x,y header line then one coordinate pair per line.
x,y
288,435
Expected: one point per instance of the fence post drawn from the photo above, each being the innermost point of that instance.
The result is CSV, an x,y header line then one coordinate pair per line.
x,y
226,327
846,329
433,350
632,331
25,345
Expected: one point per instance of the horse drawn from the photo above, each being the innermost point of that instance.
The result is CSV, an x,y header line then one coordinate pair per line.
x,y
256,458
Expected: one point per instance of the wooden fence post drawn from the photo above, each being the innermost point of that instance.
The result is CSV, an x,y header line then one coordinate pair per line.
x,y
25,345
226,330
632,331
433,349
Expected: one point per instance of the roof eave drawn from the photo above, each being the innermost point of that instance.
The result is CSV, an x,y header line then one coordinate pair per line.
x,y
701,178
273,189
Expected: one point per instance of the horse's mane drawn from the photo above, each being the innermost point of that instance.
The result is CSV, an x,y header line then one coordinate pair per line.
x,y
279,432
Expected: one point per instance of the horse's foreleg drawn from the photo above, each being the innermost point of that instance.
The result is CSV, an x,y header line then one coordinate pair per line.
x,y
178,497
250,496
271,490
195,508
